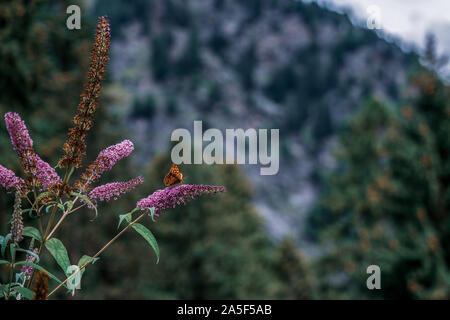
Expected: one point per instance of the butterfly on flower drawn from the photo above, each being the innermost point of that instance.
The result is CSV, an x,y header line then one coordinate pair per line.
x,y
173,177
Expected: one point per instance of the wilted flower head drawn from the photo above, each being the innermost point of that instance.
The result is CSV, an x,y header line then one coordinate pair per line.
x,y
104,162
17,220
40,291
114,189
9,180
176,195
84,120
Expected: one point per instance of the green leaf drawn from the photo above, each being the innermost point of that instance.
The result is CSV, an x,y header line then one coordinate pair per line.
x,y
12,248
4,262
126,216
30,213
86,259
58,252
20,277
27,293
147,235
40,268
152,213
69,205
32,232
52,204
5,243
4,288
89,202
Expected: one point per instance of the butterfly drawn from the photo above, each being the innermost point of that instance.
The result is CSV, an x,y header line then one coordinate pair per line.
x,y
173,177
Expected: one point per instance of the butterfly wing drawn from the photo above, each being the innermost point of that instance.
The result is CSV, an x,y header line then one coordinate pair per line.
x,y
174,176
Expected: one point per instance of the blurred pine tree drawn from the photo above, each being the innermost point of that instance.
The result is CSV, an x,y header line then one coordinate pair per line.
x,y
42,67
388,201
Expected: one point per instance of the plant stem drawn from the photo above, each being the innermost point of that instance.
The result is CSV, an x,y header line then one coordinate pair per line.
x,y
11,270
57,224
50,221
99,252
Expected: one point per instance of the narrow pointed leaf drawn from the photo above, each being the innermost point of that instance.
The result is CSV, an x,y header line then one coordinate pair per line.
x,y
85,199
5,243
86,259
39,268
126,216
148,236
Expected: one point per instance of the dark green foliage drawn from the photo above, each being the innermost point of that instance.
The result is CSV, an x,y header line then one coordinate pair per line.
x,y
144,107
246,66
40,69
323,125
388,202
293,272
177,12
283,80
160,61
218,41
190,60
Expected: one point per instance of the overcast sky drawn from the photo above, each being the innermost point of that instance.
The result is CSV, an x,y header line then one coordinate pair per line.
x,y
408,19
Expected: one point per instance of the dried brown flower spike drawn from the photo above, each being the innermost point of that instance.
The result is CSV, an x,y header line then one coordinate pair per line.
x,y
84,120
41,286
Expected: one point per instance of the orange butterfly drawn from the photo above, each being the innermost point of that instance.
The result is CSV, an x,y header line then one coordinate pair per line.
x,y
173,177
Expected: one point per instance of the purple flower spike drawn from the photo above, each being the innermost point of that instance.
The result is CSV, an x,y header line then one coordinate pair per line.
x,y
104,162
45,173
176,195
9,180
114,189
18,132
27,270
108,157
23,145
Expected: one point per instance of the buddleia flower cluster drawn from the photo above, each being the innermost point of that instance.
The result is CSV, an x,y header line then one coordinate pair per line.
x,y
47,192
17,220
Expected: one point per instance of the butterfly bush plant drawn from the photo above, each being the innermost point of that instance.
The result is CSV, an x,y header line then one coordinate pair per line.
x,y
49,197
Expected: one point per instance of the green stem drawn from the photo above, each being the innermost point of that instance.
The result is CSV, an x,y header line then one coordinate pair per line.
x,y
11,270
47,229
99,252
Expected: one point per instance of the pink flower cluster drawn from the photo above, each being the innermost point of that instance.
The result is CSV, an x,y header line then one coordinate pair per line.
x,y
29,269
114,189
107,159
18,132
176,195
45,173
9,180
23,145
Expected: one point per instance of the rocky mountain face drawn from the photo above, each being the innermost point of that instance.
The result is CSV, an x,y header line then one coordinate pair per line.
x,y
249,64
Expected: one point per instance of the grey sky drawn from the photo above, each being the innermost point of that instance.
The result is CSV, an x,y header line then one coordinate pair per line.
x,y
408,19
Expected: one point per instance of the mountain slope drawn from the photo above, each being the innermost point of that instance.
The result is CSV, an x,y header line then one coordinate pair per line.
x,y
249,64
